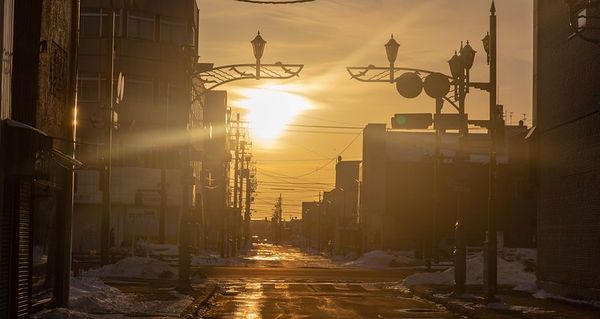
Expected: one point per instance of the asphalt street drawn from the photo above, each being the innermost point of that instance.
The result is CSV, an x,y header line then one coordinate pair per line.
x,y
283,282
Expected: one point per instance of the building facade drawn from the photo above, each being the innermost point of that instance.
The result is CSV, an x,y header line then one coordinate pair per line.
x,y
154,113
37,131
567,135
397,209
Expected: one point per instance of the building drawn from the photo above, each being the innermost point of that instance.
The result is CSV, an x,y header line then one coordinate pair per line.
x,y
310,224
220,221
39,42
567,140
397,192
347,184
155,114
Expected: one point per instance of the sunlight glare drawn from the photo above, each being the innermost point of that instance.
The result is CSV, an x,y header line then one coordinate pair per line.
x,y
270,108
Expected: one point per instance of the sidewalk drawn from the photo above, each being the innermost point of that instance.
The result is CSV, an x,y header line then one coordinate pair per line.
x,y
511,304
131,297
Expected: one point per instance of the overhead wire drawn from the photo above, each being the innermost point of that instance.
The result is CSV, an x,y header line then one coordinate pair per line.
x,y
328,163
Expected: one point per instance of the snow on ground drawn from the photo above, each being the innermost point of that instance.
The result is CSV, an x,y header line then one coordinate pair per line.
x,y
382,259
91,298
159,249
135,267
91,295
512,271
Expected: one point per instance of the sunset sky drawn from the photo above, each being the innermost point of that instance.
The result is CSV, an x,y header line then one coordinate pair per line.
x,y
329,35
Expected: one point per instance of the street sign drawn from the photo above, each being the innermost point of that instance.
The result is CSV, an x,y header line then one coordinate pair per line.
x,y
436,85
411,121
409,85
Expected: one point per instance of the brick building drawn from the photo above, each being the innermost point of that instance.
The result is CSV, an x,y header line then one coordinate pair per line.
x,y
567,135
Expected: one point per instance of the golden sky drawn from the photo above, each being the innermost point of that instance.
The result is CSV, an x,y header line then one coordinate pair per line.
x,y
329,35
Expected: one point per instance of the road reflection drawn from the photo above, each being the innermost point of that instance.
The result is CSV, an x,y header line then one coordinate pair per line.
x,y
250,302
285,256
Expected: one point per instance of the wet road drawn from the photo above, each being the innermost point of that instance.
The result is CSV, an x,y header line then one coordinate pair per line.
x,y
282,282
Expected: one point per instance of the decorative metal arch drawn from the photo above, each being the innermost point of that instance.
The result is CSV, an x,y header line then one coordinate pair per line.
x,y
373,73
228,73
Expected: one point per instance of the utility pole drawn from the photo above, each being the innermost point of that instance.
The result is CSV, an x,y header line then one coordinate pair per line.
x,y
241,175
107,163
249,190
319,224
236,169
279,215
436,185
460,250
491,271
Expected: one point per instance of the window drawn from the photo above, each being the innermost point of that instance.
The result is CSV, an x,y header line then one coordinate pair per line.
x,y
94,22
140,27
91,87
172,31
90,22
139,90
58,72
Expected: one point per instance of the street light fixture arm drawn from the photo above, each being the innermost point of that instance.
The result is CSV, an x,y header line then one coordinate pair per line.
x,y
373,73
220,75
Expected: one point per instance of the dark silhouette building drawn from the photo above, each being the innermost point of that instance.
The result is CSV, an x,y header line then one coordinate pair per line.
x,y
39,42
397,190
567,142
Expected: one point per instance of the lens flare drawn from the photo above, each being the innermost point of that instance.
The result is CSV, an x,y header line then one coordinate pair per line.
x,y
270,108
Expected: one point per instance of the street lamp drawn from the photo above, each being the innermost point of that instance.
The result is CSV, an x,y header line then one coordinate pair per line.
x,y
258,46
211,77
486,46
391,49
409,85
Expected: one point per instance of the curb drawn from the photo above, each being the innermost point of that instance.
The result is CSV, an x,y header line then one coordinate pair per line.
x,y
200,300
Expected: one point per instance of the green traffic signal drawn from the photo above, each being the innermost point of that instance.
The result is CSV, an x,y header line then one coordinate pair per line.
x,y
399,120
412,121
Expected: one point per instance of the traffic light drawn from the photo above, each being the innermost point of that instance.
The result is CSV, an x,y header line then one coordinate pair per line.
x,y
412,121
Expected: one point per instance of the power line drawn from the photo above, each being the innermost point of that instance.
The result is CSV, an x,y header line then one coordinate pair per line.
x,y
319,132
297,160
327,126
327,164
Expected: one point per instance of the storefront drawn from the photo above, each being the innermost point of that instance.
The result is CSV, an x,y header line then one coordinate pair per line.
x,y
32,230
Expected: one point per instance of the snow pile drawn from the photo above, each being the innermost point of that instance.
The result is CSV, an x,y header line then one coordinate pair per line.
x,y
382,259
510,273
160,249
62,313
135,267
88,294
542,294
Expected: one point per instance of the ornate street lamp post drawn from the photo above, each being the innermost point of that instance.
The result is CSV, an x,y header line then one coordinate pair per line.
x,y
211,77
205,77
258,46
391,49
410,85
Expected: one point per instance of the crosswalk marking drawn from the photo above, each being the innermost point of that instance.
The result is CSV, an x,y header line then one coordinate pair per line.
x,y
303,286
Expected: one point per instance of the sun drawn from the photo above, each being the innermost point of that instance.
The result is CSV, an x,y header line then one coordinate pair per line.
x,y
270,108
